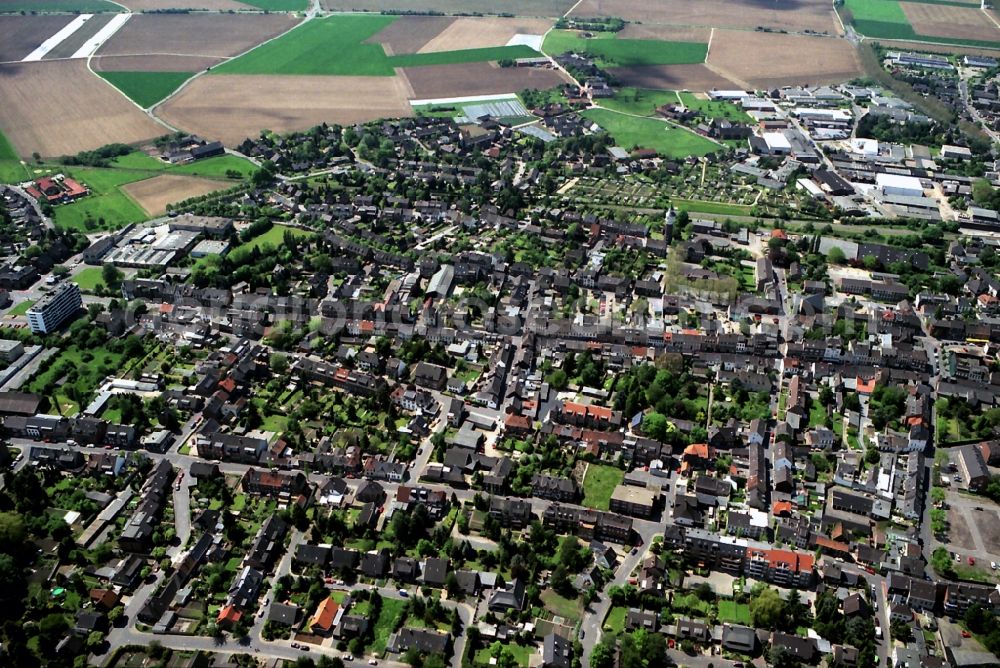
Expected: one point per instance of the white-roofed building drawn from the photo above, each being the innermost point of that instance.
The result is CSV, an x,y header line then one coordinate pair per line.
x,y
897,184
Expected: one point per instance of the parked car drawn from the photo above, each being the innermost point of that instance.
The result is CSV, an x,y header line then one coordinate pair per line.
x,y
993,565
972,561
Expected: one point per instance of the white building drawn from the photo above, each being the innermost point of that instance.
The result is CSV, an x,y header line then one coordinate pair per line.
x,y
55,308
896,184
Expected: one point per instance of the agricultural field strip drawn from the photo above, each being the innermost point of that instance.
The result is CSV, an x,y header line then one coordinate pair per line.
x,y
57,39
95,42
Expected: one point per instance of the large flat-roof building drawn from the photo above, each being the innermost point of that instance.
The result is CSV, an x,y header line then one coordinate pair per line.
x,y
55,308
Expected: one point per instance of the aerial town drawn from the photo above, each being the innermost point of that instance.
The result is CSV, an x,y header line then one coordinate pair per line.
x,y
593,374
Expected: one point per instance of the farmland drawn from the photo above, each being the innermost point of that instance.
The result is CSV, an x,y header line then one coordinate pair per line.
x,y
88,6
931,22
760,59
337,46
477,32
515,7
20,35
409,34
154,194
90,113
231,108
477,79
962,23
631,132
813,15
146,88
671,77
217,36
613,52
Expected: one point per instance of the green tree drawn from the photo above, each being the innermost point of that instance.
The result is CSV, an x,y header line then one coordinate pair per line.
x,y
836,256
767,609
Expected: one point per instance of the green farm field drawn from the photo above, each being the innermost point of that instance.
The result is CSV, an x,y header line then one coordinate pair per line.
x,y
335,46
667,140
613,52
146,88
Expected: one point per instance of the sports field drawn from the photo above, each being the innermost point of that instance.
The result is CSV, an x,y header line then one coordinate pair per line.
x,y
611,51
669,141
146,88
336,46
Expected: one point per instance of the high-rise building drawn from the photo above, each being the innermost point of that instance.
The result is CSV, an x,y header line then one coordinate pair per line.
x,y
55,308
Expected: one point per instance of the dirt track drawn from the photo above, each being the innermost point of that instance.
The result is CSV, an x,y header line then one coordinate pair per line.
x,y
234,107
59,107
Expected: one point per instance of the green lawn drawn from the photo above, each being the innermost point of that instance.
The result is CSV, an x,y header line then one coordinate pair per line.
x,y
141,161
111,211
715,108
274,237
146,88
89,279
216,167
703,206
567,608
599,484
639,101
335,46
667,140
388,616
22,308
11,169
736,613
7,151
522,654
81,369
74,6
615,621
609,51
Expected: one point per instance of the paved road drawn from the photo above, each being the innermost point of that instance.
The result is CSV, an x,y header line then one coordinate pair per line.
x,y
594,616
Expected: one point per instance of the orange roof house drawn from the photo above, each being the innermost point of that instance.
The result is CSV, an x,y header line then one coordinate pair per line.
x,y
326,614
228,614
866,386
